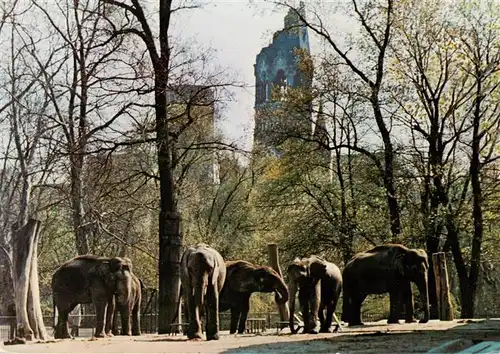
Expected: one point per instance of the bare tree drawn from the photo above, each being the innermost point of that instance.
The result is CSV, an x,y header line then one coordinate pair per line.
x,y
26,162
160,54
95,92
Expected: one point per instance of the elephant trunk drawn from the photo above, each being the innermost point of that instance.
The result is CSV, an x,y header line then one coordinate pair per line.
x,y
200,289
281,292
423,289
124,290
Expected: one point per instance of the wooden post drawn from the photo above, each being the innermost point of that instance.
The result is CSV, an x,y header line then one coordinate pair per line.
x,y
272,250
442,286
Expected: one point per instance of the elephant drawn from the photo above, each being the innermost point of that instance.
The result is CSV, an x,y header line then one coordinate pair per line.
x,y
203,273
242,279
319,284
130,310
90,279
386,268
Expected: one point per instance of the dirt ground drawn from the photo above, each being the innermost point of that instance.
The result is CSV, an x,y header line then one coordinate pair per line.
x,y
375,337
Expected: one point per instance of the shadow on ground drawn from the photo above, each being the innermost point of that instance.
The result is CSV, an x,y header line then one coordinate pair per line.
x,y
393,339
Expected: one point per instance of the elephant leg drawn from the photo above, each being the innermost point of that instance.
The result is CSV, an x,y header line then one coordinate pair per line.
x,y
100,313
212,313
136,319
194,331
187,307
114,328
408,302
315,300
62,328
346,305
330,311
304,307
125,316
245,307
110,312
291,322
394,296
235,316
327,324
321,315
355,312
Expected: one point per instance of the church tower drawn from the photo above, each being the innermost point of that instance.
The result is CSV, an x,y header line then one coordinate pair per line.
x,y
277,66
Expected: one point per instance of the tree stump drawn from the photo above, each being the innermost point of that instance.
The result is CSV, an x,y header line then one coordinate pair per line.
x,y
25,275
442,286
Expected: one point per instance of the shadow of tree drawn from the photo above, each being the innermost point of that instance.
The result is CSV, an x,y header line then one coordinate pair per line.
x,y
390,340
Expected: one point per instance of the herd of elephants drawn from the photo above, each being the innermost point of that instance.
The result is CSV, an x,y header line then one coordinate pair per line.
x,y
211,285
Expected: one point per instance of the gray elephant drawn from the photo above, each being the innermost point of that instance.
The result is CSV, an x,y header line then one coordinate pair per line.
x,y
319,284
90,279
203,273
389,269
130,310
243,279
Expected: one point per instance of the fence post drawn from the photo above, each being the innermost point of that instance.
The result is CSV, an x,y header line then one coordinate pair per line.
x,y
442,286
272,250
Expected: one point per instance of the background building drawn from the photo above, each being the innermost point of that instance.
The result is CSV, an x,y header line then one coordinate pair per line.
x,y
277,66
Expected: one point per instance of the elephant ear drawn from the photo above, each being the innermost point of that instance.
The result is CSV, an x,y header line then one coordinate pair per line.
x,y
400,265
116,264
100,271
127,264
260,277
293,266
317,269
423,255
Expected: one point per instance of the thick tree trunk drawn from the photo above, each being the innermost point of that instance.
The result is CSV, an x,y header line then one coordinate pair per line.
x,y
34,292
25,275
170,238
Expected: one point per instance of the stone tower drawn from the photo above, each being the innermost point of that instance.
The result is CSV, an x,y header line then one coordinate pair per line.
x,y
277,65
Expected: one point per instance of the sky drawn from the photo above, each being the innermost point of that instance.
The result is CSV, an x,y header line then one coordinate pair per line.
x,y
237,31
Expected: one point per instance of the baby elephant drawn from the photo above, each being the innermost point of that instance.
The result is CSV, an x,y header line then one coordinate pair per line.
x,y
319,284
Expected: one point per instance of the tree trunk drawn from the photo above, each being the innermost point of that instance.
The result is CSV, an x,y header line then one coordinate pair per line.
x,y
25,275
170,238
388,172
477,207
81,237
463,279
34,292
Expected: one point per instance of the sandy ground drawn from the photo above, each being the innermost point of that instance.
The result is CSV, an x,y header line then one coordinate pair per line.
x,y
372,338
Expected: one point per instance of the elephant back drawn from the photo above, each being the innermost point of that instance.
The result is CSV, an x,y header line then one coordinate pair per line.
x,y
72,275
